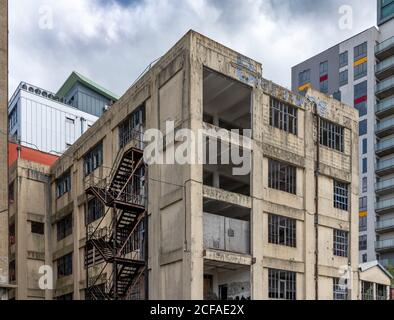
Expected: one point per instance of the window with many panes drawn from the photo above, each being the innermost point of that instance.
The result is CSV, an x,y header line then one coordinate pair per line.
x,y
93,159
361,108
95,210
64,227
341,243
343,59
360,51
343,77
63,184
341,195
281,284
65,265
283,116
282,176
282,231
131,128
331,135
367,290
362,242
340,289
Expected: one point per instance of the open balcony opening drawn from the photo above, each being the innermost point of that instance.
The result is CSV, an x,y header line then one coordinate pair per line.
x,y
225,281
227,167
227,102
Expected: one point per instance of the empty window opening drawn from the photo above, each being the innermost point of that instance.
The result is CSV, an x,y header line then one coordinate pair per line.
x,y
282,231
227,102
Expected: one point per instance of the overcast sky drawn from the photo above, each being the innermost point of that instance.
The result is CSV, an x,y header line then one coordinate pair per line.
x,y
112,41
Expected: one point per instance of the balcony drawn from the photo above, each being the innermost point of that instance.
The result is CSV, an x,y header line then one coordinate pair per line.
x,y
387,262
384,245
385,49
384,187
385,167
385,68
385,108
385,88
384,128
385,147
384,206
384,225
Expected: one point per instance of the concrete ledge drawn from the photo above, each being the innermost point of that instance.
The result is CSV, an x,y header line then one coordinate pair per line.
x,y
227,136
62,252
279,209
171,198
36,293
226,196
35,217
327,271
171,257
63,212
336,173
284,155
227,257
33,255
274,263
334,223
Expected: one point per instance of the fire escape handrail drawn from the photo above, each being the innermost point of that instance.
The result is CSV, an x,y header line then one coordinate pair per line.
x,y
130,234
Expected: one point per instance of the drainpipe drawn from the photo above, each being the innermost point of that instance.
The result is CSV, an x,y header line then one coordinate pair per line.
x,y
350,269
317,173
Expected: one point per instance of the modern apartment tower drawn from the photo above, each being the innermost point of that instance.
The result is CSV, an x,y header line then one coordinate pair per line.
x,y
3,149
52,122
122,228
359,72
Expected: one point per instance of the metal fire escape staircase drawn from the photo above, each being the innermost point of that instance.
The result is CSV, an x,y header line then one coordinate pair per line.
x,y
121,244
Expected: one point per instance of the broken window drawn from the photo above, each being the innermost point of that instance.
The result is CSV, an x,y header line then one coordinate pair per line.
x,y
282,176
340,289
283,116
381,292
65,265
282,284
95,210
93,159
331,135
37,227
341,195
341,243
131,128
282,231
63,184
367,290
64,227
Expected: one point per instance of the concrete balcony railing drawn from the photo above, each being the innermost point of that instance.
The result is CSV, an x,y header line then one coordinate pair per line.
x,y
385,49
385,88
384,186
384,206
384,225
384,128
385,107
384,245
385,68
384,167
226,234
385,147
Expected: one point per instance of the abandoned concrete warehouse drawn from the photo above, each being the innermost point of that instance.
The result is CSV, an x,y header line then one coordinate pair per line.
x,y
117,228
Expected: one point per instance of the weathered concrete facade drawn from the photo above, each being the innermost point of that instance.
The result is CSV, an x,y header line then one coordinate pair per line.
x,y
28,247
200,84
3,147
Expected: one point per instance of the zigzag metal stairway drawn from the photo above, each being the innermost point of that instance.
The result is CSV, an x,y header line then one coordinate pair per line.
x,y
122,243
